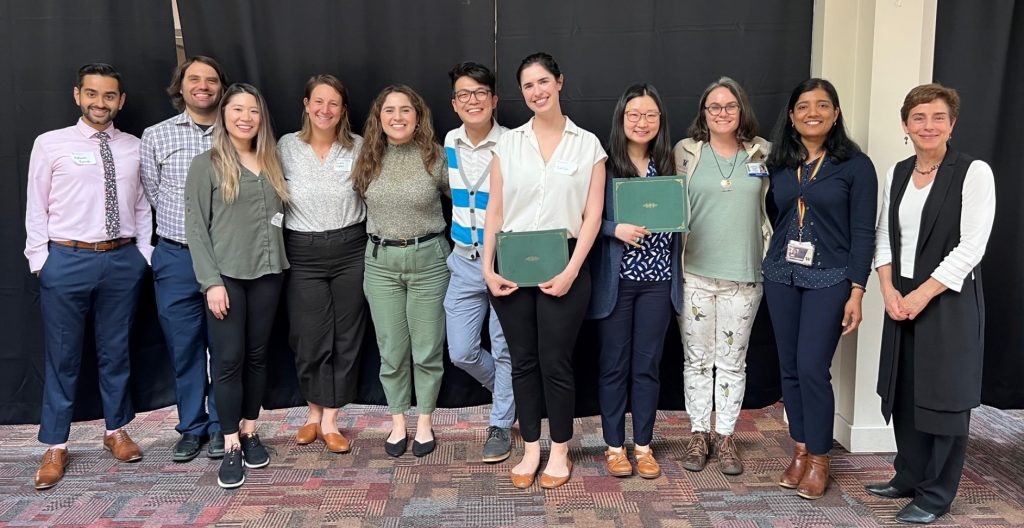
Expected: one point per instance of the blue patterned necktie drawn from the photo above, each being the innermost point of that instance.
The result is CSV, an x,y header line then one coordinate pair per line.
x,y
113,214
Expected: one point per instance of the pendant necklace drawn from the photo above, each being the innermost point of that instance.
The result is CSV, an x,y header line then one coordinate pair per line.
x,y
726,182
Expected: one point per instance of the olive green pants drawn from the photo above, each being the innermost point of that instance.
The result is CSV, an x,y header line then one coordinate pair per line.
x,y
405,287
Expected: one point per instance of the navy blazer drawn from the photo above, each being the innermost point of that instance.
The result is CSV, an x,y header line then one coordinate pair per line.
x,y
606,257
841,204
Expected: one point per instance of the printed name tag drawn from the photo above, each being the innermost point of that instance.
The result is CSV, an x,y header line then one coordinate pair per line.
x,y
83,158
565,167
343,165
757,169
277,220
801,253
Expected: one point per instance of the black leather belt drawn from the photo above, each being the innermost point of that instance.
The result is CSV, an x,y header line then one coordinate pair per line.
x,y
174,243
399,242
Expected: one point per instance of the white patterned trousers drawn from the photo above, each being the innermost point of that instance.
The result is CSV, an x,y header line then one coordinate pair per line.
x,y
715,327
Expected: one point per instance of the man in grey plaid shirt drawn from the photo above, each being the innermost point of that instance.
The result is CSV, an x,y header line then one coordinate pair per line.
x,y
167,151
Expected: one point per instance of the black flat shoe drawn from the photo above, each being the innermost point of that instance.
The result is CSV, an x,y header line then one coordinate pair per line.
x,y
888,491
911,513
425,448
396,449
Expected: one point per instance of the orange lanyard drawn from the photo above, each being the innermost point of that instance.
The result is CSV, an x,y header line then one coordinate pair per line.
x,y
801,207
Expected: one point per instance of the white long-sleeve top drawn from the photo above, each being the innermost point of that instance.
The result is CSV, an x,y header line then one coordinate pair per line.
x,y
978,211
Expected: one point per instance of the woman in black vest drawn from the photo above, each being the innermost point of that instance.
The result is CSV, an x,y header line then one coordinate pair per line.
x,y
936,216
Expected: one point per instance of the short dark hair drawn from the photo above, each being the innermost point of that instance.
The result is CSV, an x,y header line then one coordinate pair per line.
x,y
174,90
99,68
659,149
545,60
787,148
927,93
476,71
747,129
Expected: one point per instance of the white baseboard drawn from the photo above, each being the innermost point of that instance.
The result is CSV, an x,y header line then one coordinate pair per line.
x,y
864,438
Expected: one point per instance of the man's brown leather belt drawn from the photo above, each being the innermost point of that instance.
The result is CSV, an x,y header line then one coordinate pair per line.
x,y
106,245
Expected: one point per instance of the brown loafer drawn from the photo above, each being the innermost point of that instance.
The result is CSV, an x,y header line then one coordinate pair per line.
x,y
122,446
550,482
795,471
815,480
336,443
522,481
697,451
617,463
646,466
55,461
307,434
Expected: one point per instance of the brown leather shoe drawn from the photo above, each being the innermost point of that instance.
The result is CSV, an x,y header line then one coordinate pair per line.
x,y
550,482
792,475
307,434
336,443
646,466
815,480
617,463
697,451
55,461
122,446
729,461
522,481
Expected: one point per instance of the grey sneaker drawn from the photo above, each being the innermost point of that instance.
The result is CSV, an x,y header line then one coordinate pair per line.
x,y
498,445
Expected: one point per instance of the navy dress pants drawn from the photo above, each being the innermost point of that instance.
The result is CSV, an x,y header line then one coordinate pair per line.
x,y
73,283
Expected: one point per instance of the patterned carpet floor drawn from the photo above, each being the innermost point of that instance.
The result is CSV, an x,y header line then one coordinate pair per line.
x,y
307,486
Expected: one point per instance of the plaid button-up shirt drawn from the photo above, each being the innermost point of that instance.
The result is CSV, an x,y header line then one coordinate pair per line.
x,y
166,153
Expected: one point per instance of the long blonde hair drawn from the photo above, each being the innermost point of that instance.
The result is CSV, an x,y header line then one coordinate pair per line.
x,y
225,157
375,142
343,130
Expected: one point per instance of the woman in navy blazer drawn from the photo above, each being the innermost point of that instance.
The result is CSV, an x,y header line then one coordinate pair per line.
x,y
825,192
636,285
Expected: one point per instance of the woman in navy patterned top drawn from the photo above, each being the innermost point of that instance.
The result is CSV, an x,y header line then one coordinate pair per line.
x,y
636,285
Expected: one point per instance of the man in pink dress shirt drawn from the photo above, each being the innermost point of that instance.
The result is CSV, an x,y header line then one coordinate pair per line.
x,y
88,228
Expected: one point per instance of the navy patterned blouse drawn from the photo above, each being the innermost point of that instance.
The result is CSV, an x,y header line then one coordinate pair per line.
x,y
652,260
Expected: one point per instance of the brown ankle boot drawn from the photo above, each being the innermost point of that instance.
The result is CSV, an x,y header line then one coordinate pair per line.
x,y
791,477
815,480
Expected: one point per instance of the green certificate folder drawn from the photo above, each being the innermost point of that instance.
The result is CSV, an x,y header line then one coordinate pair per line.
x,y
529,258
657,203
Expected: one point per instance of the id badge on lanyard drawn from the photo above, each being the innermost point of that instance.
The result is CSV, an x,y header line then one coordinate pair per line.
x,y
798,251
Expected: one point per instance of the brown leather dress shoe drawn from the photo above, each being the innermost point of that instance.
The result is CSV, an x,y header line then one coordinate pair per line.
x,y
336,443
55,461
646,466
122,446
617,463
697,451
815,480
550,482
307,434
729,461
522,481
792,475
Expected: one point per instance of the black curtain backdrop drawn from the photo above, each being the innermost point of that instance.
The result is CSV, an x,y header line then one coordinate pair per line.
x,y
44,43
978,51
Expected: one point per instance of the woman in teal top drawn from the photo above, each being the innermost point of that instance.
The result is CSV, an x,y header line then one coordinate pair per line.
x,y
723,160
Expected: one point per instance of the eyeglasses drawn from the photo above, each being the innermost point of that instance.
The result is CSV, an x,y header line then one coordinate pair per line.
x,y
651,117
463,96
731,109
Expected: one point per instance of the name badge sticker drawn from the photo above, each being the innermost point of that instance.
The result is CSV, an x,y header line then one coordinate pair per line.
x,y
83,158
277,220
565,167
759,170
343,165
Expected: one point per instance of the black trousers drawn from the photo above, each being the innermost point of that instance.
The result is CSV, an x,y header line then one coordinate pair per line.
x,y
326,311
240,339
929,464
541,332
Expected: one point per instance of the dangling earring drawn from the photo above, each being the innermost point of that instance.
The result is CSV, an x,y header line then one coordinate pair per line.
x,y
905,139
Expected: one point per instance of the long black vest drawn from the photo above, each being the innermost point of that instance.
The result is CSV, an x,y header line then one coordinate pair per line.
x,y
949,332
